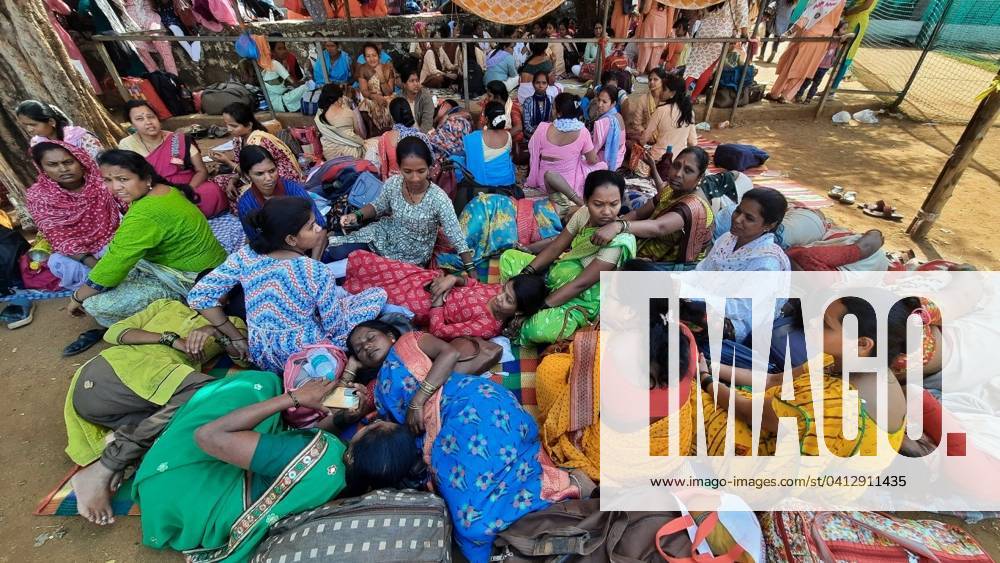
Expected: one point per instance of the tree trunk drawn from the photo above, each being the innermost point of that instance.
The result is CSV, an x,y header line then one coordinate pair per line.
x,y
35,65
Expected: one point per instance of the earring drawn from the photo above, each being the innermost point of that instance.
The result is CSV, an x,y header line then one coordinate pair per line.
x,y
149,187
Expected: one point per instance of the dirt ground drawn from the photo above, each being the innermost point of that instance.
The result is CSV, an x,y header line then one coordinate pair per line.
x,y
894,161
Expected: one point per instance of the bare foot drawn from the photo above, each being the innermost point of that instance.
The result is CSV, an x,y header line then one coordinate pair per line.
x,y
586,485
93,493
869,243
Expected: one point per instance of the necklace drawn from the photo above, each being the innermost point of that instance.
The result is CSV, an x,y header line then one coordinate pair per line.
x,y
149,150
408,195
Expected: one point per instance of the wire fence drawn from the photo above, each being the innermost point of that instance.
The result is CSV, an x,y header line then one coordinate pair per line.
x,y
938,54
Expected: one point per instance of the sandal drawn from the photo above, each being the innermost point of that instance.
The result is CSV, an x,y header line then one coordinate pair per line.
x,y
20,312
836,192
881,210
217,132
83,342
849,197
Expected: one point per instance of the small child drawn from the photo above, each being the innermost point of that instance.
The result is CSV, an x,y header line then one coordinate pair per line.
x,y
824,66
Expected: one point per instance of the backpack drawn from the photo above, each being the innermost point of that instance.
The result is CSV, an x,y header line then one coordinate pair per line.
x,y
864,537
12,246
293,378
174,94
383,525
217,96
732,156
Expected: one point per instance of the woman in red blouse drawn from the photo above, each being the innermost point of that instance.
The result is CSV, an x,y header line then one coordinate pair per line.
x,y
450,306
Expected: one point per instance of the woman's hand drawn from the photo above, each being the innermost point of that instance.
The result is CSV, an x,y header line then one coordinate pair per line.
x,y
238,350
181,345
75,309
223,158
606,233
415,419
353,365
349,220
346,417
196,341
232,190
313,393
702,365
441,286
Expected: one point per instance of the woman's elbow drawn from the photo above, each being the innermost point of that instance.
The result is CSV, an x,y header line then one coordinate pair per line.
x,y
206,438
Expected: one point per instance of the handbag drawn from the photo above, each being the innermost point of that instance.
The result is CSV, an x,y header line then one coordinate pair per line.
x,y
246,47
310,102
864,537
293,378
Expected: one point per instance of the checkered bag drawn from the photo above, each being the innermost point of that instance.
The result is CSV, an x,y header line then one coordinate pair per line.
x,y
381,526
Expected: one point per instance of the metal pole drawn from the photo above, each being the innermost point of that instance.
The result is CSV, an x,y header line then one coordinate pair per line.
x,y
746,65
347,12
845,46
600,40
923,55
465,75
321,52
715,82
102,51
263,86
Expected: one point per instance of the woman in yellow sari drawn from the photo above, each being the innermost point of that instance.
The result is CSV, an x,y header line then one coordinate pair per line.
x,y
568,387
802,407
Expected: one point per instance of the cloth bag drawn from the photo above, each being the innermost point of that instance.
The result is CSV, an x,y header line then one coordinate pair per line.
x,y
305,417
732,156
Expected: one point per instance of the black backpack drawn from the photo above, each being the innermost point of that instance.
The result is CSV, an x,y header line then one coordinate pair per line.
x,y
175,95
12,246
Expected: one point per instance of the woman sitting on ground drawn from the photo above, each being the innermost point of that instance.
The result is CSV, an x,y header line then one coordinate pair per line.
x,y
377,82
674,227
130,391
291,300
450,306
174,156
497,92
539,107
46,122
500,66
408,214
672,124
228,450
574,277
481,445
340,132
539,61
638,108
283,91
72,209
568,382
258,165
437,70
246,131
451,124
487,153
494,223
609,129
163,242
403,127
750,245
562,155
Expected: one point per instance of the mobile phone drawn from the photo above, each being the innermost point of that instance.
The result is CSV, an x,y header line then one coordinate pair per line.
x,y
343,398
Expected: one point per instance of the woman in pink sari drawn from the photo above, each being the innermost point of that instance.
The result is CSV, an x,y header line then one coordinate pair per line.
x,y
562,154
174,156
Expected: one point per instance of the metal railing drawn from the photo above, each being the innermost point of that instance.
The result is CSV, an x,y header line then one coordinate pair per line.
x,y
727,43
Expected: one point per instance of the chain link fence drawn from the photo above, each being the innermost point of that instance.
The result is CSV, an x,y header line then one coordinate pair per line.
x,y
937,54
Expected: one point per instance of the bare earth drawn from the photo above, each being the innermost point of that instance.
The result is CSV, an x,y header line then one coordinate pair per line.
x,y
893,161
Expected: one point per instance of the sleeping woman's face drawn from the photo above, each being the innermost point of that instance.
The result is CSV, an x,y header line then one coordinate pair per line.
x,y
371,346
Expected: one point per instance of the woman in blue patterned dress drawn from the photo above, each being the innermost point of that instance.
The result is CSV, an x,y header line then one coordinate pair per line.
x,y
482,447
291,299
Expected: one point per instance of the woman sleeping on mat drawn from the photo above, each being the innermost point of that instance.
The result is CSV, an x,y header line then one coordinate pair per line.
x,y
482,447
450,306
120,401
226,468
575,260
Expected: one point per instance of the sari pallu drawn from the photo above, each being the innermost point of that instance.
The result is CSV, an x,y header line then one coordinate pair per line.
x,y
482,447
494,223
560,323
685,246
196,503
172,160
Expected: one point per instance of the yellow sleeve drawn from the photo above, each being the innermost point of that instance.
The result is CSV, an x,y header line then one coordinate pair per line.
x,y
136,321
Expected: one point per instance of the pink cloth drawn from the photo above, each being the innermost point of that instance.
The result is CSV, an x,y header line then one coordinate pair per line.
x,y
569,160
213,14
60,7
147,19
172,160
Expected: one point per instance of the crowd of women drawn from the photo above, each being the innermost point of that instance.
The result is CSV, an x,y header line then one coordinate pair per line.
x,y
177,267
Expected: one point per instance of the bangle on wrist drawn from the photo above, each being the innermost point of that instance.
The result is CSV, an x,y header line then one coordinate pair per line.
x,y
222,324
415,406
295,402
529,269
76,299
359,215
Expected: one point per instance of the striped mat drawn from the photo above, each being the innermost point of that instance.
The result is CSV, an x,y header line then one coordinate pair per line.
x,y
62,500
36,294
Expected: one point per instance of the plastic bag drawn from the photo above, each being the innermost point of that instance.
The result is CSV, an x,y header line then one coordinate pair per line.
x,y
842,117
866,116
703,126
246,47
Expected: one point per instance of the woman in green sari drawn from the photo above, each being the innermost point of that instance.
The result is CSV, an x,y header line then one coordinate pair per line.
x,y
575,262
225,469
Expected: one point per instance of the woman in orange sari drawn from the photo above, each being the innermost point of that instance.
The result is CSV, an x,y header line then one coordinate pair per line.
x,y
801,60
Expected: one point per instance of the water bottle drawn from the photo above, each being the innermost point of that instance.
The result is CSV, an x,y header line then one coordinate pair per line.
x,y
324,365
304,375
